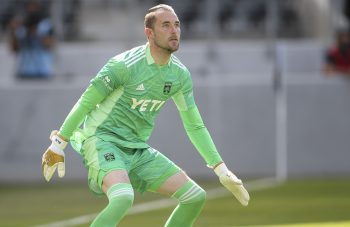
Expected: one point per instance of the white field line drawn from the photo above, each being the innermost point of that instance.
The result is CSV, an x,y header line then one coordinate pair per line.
x,y
164,203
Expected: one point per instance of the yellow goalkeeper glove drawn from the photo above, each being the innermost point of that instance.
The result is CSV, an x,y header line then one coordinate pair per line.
x,y
232,183
53,158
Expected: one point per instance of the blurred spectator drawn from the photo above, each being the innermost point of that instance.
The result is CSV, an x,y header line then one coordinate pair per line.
x,y
226,13
338,56
189,12
70,15
32,39
346,11
288,20
257,15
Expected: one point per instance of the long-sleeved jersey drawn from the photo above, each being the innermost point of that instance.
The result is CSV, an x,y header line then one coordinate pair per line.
x,y
123,100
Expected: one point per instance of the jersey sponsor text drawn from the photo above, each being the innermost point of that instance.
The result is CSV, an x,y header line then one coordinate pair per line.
x,y
146,104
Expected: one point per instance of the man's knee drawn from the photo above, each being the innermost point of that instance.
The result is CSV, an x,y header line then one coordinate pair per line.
x,y
121,195
191,193
191,201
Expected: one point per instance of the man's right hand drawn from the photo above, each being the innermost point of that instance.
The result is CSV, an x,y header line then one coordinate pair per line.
x,y
53,158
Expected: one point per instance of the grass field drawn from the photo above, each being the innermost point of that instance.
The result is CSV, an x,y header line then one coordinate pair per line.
x,y
302,203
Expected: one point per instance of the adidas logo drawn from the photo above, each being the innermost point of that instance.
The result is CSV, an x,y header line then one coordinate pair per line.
x,y
140,88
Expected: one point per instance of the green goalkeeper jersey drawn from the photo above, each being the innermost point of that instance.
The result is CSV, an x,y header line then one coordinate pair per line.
x,y
122,101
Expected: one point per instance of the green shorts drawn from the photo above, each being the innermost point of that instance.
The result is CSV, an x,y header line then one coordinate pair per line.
x,y
147,168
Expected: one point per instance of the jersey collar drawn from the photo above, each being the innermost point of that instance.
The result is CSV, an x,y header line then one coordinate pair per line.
x,y
150,59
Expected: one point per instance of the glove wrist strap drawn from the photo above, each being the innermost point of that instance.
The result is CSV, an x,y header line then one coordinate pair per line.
x,y
58,142
221,169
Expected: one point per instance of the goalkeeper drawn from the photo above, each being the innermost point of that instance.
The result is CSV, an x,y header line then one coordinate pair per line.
x,y
118,110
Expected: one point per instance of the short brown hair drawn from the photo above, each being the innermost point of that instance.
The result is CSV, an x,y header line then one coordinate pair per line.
x,y
150,17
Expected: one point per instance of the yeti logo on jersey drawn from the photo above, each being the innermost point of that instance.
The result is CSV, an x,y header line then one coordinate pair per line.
x,y
109,157
146,104
167,87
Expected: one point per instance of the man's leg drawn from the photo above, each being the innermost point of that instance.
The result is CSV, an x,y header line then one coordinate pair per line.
x,y
191,199
108,175
161,175
116,185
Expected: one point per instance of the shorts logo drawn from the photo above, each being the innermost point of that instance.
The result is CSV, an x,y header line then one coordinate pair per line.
x,y
109,157
167,87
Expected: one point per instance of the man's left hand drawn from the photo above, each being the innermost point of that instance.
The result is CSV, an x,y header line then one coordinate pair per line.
x,y
232,183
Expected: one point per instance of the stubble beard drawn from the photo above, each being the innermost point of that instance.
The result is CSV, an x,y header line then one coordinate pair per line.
x,y
167,48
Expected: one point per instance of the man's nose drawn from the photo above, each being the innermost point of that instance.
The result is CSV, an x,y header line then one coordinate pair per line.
x,y
173,29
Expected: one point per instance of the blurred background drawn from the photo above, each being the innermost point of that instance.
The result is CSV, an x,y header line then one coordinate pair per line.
x,y
265,76
258,71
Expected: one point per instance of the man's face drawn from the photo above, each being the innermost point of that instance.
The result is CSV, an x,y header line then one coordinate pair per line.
x,y
166,31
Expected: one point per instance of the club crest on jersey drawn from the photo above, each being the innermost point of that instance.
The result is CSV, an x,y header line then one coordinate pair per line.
x,y
167,87
109,157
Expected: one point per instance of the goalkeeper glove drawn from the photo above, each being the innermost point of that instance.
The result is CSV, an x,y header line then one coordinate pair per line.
x,y
53,158
232,183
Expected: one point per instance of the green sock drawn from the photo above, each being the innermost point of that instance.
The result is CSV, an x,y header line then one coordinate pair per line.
x,y
120,198
191,201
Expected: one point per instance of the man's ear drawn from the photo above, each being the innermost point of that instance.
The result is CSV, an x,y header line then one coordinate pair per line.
x,y
148,32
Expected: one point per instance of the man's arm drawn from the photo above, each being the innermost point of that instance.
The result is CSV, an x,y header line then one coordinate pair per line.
x,y
202,140
112,75
54,157
12,26
193,123
87,102
200,137
101,86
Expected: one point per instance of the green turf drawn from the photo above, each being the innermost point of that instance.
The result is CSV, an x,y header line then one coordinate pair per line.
x,y
322,224
296,202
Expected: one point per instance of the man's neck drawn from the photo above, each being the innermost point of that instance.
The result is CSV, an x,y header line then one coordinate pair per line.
x,y
160,56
